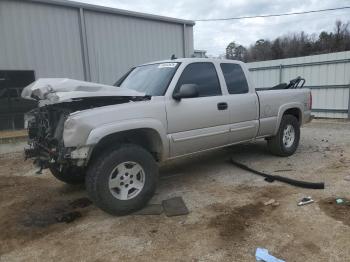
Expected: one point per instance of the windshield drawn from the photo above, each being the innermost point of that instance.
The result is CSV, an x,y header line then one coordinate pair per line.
x,y
151,79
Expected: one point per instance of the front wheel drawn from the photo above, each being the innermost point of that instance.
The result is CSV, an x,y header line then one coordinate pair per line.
x,y
286,141
123,180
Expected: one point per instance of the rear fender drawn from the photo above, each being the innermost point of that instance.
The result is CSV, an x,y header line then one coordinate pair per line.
x,y
284,108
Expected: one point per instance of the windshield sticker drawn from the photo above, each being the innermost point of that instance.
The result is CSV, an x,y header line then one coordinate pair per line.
x,y
165,65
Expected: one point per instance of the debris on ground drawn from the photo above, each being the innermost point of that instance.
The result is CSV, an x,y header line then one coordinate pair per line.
x,y
347,178
59,213
269,202
39,219
152,209
340,201
68,217
174,207
44,218
271,178
305,200
340,212
262,254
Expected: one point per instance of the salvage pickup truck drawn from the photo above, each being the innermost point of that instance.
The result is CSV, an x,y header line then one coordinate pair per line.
x,y
113,137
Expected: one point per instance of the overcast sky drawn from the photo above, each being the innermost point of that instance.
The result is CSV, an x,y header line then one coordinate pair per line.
x,y
214,36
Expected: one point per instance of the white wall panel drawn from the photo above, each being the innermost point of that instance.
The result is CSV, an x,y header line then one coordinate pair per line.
x,y
48,37
40,37
116,43
333,70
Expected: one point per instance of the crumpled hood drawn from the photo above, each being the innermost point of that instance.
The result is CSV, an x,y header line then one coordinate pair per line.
x,y
56,90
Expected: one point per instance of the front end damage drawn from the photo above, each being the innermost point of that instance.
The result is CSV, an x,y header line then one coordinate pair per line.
x,y
45,136
46,123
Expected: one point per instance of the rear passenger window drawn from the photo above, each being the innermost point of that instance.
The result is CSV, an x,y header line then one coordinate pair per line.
x,y
235,79
204,76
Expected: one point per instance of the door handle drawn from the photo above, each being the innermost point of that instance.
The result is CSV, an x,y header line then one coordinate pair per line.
x,y
222,106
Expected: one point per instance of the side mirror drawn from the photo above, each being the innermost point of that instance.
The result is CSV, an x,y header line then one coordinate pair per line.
x,y
186,91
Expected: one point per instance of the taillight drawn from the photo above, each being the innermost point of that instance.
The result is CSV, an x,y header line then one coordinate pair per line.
x,y
310,101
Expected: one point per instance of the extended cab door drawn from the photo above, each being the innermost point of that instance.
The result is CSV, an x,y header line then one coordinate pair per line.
x,y
202,122
242,102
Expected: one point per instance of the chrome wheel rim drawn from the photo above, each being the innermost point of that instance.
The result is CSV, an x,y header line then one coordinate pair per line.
x,y
288,136
126,180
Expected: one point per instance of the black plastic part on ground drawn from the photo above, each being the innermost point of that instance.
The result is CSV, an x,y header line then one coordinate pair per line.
x,y
272,178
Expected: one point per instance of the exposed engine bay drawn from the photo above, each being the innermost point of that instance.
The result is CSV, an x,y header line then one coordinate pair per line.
x,y
45,129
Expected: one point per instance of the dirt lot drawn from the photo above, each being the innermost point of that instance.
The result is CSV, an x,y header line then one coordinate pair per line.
x,y
227,219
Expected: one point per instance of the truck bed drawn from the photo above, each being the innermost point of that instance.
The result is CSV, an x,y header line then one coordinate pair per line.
x,y
272,102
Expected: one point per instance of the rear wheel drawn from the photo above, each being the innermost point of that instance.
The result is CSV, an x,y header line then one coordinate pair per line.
x,y
286,141
69,175
122,180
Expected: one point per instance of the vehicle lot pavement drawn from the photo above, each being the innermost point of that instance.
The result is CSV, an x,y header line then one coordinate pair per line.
x,y
227,219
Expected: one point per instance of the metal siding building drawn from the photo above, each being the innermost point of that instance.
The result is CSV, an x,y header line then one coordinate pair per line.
x,y
328,76
130,41
59,38
39,37
68,39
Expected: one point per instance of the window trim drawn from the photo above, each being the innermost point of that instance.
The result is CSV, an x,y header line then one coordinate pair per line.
x,y
123,77
176,89
228,92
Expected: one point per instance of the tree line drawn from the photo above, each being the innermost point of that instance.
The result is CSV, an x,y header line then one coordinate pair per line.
x,y
293,45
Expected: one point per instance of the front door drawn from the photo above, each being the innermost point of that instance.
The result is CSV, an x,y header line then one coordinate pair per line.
x,y
196,124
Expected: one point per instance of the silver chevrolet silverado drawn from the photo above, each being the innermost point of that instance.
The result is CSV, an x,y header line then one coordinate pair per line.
x,y
113,137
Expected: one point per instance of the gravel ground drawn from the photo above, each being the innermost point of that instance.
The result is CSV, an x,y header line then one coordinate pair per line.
x,y
227,219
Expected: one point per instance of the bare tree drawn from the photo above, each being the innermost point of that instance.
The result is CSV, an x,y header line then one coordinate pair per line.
x,y
230,50
293,45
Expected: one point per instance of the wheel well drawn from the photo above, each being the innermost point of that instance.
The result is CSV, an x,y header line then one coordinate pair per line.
x,y
294,112
147,138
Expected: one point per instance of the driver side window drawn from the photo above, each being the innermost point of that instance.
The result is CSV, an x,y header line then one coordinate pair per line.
x,y
202,74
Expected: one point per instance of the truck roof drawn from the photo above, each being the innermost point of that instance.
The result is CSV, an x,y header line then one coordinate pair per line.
x,y
188,60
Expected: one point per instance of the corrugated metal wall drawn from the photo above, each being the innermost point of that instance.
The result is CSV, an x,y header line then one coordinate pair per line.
x,y
40,37
189,41
113,49
328,76
68,41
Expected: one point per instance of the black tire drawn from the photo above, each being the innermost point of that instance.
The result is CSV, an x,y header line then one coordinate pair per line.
x,y
276,145
100,170
68,175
